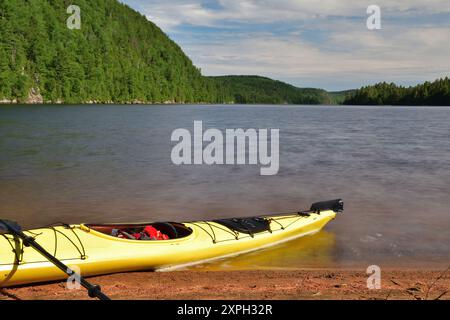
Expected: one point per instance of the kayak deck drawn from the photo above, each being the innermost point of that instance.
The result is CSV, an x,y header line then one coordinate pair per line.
x,y
93,251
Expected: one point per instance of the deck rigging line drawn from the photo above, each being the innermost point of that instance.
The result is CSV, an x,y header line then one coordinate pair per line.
x,y
235,234
18,251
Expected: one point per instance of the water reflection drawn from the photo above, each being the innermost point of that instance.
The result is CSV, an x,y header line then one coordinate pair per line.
x,y
312,251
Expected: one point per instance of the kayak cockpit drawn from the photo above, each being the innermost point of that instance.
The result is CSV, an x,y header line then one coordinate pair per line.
x,y
144,231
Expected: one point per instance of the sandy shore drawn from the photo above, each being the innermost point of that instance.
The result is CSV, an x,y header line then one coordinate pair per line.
x,y
304,284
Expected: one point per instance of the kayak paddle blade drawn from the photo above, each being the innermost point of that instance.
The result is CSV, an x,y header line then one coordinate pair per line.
x,y
7,227
334,205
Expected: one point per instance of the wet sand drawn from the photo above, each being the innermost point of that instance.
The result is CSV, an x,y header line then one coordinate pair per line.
x,y
247,285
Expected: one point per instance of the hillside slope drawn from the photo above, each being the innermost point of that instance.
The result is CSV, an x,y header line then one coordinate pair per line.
x,y
436,93
117,56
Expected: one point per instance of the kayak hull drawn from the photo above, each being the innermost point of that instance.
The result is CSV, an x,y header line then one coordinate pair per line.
x,y
94,253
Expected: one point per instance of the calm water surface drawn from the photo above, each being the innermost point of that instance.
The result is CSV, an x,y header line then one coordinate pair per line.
x,y
112,163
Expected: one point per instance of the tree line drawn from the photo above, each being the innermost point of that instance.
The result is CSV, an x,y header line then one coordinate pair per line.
x,y
436,93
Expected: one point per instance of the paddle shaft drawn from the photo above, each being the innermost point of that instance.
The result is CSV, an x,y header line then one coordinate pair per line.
x,y
93,290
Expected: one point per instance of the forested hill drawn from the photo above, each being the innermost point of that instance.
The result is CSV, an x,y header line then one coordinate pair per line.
x,y
435,93
117,56
254,89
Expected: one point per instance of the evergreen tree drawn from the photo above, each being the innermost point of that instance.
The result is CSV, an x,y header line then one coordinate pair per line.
x,y
427,94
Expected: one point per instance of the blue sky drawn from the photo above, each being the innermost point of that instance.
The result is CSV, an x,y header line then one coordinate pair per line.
x,y
310,43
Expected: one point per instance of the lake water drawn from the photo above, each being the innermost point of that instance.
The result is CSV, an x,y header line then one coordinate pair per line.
x,y
112,163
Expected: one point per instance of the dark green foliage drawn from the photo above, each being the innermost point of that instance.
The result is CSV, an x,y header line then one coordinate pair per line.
x,y
338,97
254,89
435,93
118,55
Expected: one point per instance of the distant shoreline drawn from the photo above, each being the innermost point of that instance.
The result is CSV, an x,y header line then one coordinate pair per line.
x,y
5,104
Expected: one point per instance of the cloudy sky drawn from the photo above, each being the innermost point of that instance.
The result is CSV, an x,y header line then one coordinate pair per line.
x,y
310,43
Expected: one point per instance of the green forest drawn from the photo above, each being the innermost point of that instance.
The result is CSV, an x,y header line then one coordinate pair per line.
x,y
117,56
435,93
254,89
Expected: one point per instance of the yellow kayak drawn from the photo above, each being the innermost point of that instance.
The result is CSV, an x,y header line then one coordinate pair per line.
x,y
95,249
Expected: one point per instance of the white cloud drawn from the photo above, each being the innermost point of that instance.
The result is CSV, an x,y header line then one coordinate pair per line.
x,y
176,12
169,15
338,46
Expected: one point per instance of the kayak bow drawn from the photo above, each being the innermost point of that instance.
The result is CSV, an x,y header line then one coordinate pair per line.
x,y
94,251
